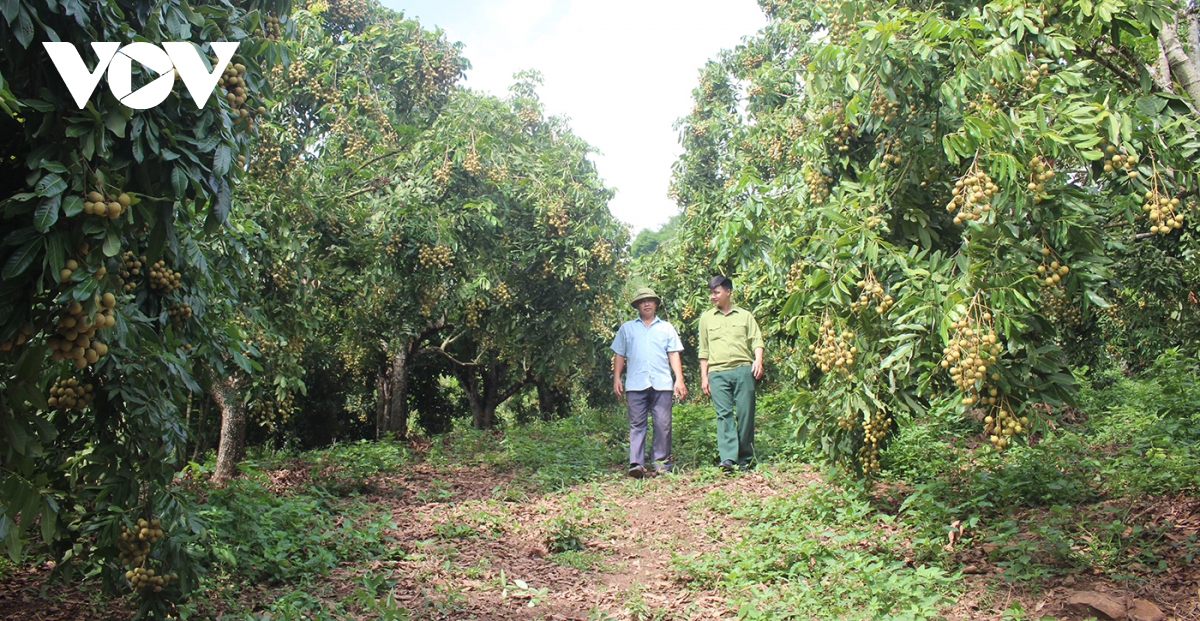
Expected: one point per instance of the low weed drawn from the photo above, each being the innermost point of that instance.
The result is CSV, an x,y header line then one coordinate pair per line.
x,y
256,535
345,469
817,553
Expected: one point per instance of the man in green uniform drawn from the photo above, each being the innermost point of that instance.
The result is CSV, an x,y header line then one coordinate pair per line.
x,y
731,354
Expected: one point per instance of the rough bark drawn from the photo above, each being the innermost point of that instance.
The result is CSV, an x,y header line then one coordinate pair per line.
x,y
1181,66
553,402
201,445
1193,20
484,394
383,389
232,448
398,407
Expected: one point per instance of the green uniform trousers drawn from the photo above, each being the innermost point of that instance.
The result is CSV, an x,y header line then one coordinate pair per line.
x,y
730,390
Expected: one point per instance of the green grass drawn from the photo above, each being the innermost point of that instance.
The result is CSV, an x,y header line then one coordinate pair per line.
x,y
825,549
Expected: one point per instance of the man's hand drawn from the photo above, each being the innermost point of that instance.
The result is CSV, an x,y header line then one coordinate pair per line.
x,y
704,387
618,388
680,390
756,369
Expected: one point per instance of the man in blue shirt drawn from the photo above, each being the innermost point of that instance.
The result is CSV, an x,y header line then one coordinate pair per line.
x,y
651,347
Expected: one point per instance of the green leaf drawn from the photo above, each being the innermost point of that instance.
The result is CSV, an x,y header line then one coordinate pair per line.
x,y
112,244
852,81
221,161
47,213
50,185
179,182
22,258
72,206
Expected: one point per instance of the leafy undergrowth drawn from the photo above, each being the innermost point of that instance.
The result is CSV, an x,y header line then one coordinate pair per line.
x,y
538,522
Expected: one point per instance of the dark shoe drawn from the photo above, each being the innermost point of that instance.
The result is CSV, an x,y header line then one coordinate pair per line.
x,y
636,471
661,467
745,467
727,465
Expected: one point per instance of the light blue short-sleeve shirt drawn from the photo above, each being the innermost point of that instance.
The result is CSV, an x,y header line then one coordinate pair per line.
x,y
645,351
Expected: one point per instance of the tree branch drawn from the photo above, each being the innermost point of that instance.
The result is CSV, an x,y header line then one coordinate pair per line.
x,y
512,390
1181,65
1193,20
1107,64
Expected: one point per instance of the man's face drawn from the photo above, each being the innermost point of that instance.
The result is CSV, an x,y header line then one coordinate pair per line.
x,y
647,307
719,296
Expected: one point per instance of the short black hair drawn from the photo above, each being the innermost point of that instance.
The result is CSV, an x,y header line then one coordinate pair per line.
x,y
720,281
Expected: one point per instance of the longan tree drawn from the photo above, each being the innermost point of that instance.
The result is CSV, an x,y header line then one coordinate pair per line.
x,y
927,203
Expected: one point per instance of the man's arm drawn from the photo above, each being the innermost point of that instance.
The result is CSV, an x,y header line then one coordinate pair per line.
x,y
704,376
677,367
618,367
754,335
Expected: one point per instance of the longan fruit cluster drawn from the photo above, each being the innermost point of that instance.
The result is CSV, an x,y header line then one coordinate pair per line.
x,y
984,102
872,290
531,116
601,252
236,92
795,276
141,578
1051,271
270,29
441,174
427,299
130,266
882,107
875,428
1034,75
162,279
819,185
1039,174
97,204
1161,210
471,162
68,393
972,195
497,172
833,351
1058,308
502,293
688,312
1120,162
435,256
75,332
71,265
1002,424
135,544
842,138
556,220
973,350
473,312
21,336
179,313
347,11
274,410
889,159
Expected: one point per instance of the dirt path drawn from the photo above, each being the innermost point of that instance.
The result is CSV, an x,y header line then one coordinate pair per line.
x,y
504,565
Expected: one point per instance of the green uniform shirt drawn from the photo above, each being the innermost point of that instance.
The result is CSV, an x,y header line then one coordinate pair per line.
x,y
728,341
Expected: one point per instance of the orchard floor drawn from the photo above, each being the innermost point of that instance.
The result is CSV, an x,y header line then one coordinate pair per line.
x,y
472,544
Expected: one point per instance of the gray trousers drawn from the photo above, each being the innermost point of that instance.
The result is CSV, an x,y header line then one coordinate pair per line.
x,y
641,404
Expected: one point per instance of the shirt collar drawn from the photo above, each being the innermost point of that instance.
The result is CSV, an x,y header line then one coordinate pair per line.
x,y
639,320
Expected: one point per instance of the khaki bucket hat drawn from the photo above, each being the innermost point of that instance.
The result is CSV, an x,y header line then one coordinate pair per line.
x,y
642,294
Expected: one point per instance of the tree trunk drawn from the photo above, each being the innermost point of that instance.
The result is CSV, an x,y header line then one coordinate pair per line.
x,y
482,386
552,402
383,399
398,406
232,448
1193,20
1181,66
201,438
